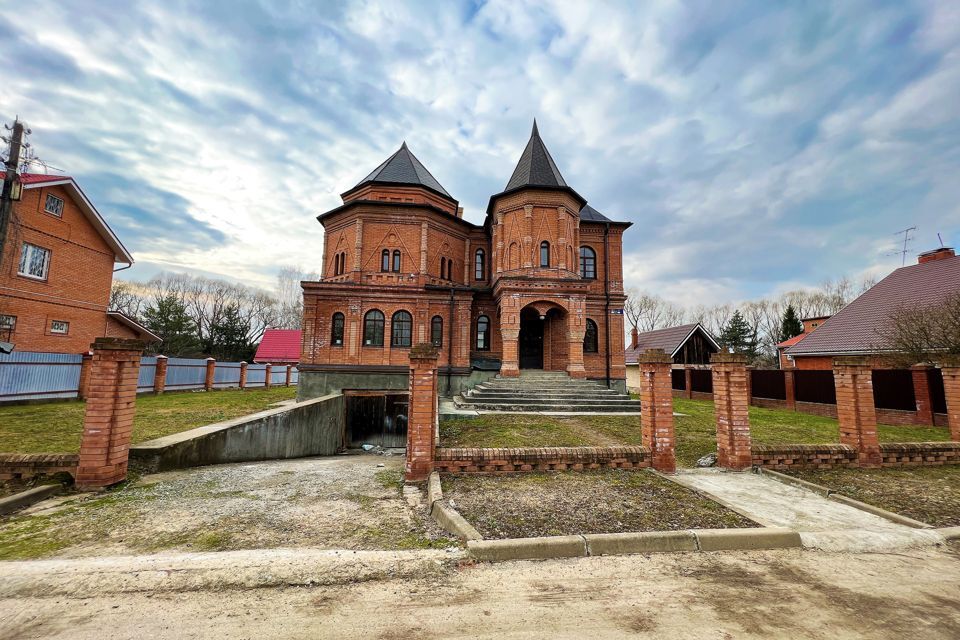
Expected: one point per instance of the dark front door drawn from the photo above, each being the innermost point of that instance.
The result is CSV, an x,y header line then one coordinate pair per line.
x,y
377,419
531,341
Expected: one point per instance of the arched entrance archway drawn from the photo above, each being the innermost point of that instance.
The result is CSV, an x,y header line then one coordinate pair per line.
x,y
542,341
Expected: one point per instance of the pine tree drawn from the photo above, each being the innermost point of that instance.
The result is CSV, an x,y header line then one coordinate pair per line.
x,y
168,318
791,325
738,336
228,336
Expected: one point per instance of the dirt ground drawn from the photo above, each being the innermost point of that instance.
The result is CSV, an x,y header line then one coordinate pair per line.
x,y
346,502
927,494
567,503
717,596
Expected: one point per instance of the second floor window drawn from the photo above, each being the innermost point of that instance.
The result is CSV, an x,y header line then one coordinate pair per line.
x,y
54,205
544,254
396,260
385,260
588,263
336,330
34,261
401,329
479,266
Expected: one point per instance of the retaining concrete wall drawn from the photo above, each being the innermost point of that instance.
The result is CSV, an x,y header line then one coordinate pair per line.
x,y
311,428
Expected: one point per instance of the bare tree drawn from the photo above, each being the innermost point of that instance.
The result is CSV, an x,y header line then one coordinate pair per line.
x,y
289,295
918,334
648,312
129,298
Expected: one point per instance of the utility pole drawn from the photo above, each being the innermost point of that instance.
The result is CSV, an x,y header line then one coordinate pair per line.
x,y
11,179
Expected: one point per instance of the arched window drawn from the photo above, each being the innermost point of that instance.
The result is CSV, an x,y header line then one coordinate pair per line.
x,y
588,263
401,331
373,329
385,260
479,266
443,268
336,330
396,260
436,331
544,254
483,333
449,269
590,338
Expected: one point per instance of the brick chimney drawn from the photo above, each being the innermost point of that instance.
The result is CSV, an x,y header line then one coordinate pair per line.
x,y
634,338
937,254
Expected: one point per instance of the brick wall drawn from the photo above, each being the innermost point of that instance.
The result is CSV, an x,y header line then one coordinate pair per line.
x,y
77,287
829,456
516,460
20,466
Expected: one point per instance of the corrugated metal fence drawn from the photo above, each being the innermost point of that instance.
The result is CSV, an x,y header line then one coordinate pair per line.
x,y
36,376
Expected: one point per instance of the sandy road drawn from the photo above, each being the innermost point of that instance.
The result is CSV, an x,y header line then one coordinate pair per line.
x,y
788,594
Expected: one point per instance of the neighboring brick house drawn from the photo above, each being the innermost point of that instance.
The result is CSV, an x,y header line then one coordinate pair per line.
x,y
809,324
538,285
57,270
686,344
857,329
279,346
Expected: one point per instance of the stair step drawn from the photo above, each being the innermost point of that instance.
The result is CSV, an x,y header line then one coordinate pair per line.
x,y
555,403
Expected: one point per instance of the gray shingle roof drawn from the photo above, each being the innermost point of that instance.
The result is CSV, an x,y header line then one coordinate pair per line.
x,y
536,167
403,168
589,214
855,328
669,339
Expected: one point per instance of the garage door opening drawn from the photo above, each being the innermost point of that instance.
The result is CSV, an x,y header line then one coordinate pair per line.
x,y
377,418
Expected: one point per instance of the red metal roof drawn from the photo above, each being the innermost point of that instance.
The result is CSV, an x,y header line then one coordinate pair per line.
x,y
35,178
279,345
789,342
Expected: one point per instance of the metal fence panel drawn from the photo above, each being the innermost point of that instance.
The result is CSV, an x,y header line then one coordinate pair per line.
x,y
893,389
148,372
226,374
295,376
256,374
185,373
278,375
768,383
815,386
26,375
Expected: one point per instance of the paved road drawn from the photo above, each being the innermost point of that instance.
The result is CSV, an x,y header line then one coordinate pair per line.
x,y
786,594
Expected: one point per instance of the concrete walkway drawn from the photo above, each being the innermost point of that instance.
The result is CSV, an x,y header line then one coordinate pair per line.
x,y
823,524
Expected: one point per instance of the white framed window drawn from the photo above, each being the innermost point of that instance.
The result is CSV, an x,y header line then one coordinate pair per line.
x,y
59,326
7,326
34,261
54,205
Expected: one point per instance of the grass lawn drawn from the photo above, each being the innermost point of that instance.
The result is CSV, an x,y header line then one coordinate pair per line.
x,y
927,494
56,427
570,503
696,430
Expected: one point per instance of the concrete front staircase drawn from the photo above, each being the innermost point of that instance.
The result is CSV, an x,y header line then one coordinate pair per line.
x,y
550,391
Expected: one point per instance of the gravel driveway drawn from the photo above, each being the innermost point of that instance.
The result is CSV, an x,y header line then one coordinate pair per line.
x,y
342,502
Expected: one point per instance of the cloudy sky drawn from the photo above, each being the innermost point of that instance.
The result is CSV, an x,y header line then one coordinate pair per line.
x,y
756,146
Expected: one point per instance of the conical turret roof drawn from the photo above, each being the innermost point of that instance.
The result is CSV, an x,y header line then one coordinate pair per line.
x,y
403,168
536,167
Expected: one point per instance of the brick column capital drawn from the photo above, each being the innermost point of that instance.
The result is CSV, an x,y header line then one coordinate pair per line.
x,y
654,356
724,358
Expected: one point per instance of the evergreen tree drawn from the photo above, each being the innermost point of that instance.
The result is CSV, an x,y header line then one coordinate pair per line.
x,y
791,325
228,336
168,318
738,336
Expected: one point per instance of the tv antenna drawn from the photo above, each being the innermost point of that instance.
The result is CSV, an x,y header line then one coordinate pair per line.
x,y
906,242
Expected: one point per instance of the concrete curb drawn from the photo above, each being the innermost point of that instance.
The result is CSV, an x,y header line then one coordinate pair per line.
x,y
830,494
445,515
641,542
26,498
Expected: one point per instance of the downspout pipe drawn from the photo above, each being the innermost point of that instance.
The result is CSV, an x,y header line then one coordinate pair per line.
x,y
449,344
606,293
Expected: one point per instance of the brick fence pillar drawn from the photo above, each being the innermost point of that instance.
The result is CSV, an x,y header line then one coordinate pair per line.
x,y
852,376
731,405
951,390
789,388
749,385
208,377
423,415
267,372
510,362
688,383
86,360
921,393
160,375
289,377
656,408
243,375
108,420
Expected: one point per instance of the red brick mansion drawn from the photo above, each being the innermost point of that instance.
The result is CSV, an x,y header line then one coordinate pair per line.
x,y
539,285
